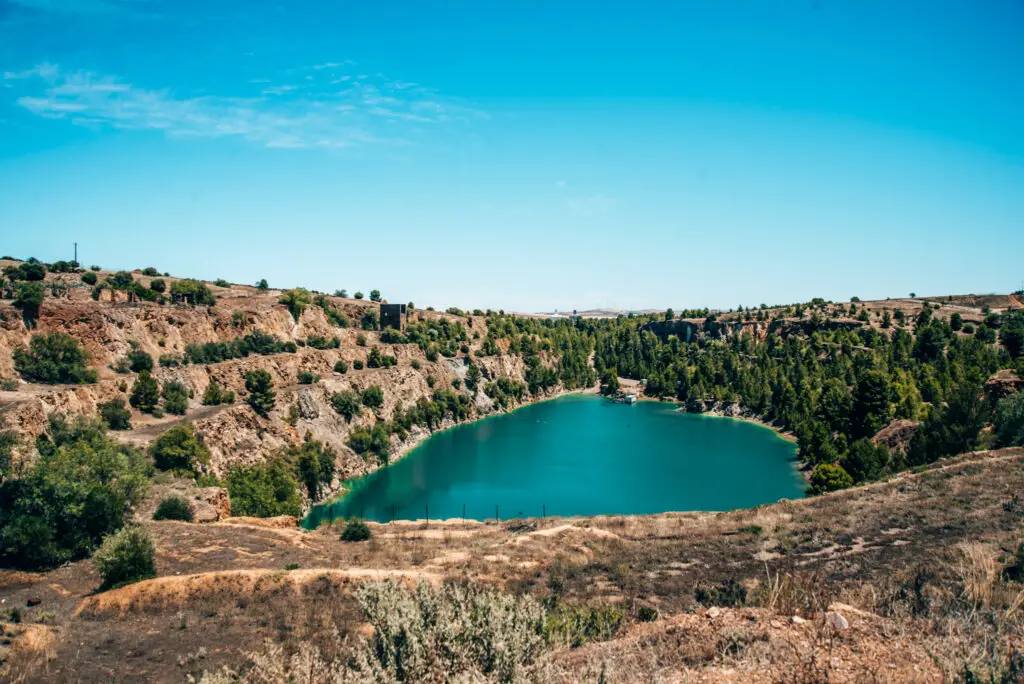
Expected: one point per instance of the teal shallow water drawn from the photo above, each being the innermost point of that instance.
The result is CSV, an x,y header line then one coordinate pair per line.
x,y
578,455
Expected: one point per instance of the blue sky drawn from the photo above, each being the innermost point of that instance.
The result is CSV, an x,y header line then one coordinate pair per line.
x,y
526,155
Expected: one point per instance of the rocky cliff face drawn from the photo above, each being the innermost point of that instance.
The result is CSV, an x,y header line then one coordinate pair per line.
x,y
235,434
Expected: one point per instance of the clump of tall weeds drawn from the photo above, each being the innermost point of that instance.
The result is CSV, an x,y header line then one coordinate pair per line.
x,y
458,632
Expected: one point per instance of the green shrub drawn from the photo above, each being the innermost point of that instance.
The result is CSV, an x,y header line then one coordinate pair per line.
x,y
214,394
346,403
361,340
431,381
829,477
262,285
158,285
341,367
320,342
358,364
264,491
358,295
355,531
415,364
372,397
169,360
150,271
89,278
646,614
1009,420
54,358
296,300
139,361
220,282
179,450
174,508
376,441
259,385
81,488
145,393
308,378
189,291
126,556
314,465
115,415
31,271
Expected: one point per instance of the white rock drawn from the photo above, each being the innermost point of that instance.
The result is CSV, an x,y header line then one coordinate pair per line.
x,y
797,620
713,612
836,621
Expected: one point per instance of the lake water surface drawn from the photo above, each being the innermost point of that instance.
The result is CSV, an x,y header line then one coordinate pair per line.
x,y
578,455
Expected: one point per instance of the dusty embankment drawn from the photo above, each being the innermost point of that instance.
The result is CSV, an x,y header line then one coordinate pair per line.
x,y
225,587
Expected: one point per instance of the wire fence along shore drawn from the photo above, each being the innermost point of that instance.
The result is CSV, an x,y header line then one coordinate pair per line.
x,y
325,515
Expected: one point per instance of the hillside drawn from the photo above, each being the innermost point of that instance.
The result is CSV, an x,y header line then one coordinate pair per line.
x,y
122,391
914,566
109,330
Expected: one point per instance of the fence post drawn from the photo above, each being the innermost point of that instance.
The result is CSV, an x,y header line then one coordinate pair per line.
x,y
463,513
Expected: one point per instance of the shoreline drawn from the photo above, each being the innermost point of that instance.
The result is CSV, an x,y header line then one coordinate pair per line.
x,y
413,443
718,413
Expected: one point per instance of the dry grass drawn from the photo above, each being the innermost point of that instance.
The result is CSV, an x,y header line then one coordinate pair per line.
x,y
916,562
168,593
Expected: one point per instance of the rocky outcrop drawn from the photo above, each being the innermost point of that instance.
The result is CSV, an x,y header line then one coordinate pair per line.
x,y
1002,384
896,435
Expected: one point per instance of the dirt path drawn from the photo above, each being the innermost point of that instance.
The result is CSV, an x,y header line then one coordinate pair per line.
x,y
143,434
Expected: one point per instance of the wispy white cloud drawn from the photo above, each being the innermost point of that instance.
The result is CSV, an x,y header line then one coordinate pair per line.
x,y
321,114
591,205
76,6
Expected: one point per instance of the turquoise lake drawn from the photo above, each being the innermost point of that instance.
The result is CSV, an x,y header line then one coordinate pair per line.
x,y
578,455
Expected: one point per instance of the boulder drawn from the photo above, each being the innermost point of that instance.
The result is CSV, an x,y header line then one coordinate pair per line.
x,y
308,410
836,621
211,504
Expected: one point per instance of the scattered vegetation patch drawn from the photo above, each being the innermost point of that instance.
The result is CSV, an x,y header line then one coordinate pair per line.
x,y
115,415
126,556
174,508
82,488
179,450
729,594
355,531
574,626
54,358
264,491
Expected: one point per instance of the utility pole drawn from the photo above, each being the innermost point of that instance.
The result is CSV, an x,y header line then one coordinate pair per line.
x,y
76,254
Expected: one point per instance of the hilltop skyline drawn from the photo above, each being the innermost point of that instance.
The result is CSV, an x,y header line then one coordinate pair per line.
x,y
532,159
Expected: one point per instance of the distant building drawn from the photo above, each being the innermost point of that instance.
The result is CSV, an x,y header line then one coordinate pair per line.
x,y
392,316
630,398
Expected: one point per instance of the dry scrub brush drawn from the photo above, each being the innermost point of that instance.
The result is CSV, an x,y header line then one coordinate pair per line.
x,y
454,633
